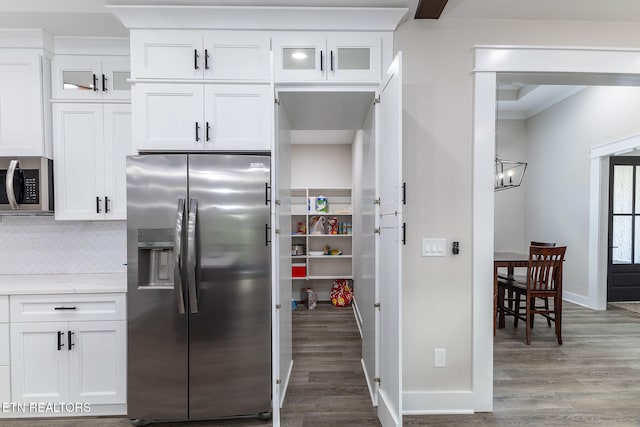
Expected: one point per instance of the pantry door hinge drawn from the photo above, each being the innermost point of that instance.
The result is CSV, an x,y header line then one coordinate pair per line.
x,y
277,202
377,380
278,381
376,100
376,201
278,306
277,100
376,231
376,305
277,231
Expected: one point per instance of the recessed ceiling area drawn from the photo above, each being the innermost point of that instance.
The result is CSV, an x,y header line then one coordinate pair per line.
x,y
519,101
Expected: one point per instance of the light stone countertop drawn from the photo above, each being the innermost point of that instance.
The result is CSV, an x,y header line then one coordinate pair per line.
x,y
63,283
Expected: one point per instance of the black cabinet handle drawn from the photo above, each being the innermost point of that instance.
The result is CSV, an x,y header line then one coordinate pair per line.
x,y
95,83
404,233
104,83
69,340
331,60
65,308
197,132
106,205
321,61
404,193
195,59
206,59
98,210
60,345
207,132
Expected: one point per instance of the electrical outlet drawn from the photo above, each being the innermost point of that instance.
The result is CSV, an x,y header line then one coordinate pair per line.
x,y
439,358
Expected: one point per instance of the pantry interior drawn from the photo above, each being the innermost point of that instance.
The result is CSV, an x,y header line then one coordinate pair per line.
x,y
327,140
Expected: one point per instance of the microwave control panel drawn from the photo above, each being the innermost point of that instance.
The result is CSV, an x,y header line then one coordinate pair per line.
x,y
31,187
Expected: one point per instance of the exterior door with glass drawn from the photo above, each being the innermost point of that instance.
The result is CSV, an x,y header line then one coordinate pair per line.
x,y
623,272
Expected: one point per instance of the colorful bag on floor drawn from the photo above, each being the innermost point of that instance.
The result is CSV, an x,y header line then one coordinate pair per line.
x,y
341,294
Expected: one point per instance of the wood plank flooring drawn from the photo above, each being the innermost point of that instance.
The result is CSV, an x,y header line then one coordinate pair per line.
x,y
593,379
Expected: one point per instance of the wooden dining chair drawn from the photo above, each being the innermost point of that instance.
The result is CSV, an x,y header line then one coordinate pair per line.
x,y
509,298
544,281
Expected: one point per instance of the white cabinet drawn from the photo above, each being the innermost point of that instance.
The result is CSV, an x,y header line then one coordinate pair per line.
x,y
193,54
91,77
339,56
91,145
24,98
202,117
5,384
77,357
313,232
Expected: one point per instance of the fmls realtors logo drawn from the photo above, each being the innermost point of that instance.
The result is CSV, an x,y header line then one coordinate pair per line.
x,y
45,408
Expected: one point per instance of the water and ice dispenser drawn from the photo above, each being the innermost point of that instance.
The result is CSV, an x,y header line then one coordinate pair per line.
x,y
155,257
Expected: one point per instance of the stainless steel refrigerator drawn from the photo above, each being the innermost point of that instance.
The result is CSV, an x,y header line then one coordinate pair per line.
x,y
199,286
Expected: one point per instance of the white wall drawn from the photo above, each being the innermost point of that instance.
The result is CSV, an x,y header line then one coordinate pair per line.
x,y
40,245
510,212
321,165
438,120
558,148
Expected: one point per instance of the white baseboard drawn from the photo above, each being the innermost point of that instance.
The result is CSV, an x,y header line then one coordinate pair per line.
x,y
372,387
386,411
576,299
429,402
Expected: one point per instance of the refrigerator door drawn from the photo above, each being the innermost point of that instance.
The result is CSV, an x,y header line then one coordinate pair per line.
x,y
157,364
230,319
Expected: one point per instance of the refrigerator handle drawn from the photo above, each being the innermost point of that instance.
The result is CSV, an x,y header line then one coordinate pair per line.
x,y
191,255
177,245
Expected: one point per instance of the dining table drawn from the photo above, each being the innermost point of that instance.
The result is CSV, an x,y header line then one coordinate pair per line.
x,y
508,260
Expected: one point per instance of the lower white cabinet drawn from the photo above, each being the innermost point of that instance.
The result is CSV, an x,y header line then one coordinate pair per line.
x,y
5,383
76,359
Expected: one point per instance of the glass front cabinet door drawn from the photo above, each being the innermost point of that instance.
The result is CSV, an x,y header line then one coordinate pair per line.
x,y
345,57
91,78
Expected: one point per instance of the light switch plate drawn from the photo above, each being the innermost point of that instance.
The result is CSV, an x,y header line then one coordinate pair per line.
x,y
434,247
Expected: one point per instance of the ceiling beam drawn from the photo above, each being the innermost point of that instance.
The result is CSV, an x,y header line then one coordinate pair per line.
x,y
430,9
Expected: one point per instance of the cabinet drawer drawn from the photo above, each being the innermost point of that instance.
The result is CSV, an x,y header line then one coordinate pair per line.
x,y
4,344
4,308
37,308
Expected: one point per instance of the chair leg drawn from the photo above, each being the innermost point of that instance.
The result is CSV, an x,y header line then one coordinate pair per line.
x,y
546,307
532,304
516,309
529,324
557,306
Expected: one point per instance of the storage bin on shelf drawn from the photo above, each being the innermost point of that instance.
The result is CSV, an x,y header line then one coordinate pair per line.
x,y
298,270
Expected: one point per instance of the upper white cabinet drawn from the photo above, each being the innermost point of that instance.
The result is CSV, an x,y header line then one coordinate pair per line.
x,y
91,77
228,117
194,54
91,144
24,99
336,56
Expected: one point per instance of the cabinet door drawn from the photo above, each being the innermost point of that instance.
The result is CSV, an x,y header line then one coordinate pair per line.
x,y
39,362
238,117
117,146
114,84
76,77
169,117
97,362
299,57
78,161
354,57
237,55
170,54
21,105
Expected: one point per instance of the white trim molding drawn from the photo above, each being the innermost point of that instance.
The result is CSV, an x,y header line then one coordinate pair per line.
x,y
440,402
608,66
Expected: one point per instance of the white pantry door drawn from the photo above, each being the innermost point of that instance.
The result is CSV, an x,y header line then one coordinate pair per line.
x,y
389,283
282,338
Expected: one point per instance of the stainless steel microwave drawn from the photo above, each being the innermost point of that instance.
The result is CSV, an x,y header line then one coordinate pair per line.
x,y
26,185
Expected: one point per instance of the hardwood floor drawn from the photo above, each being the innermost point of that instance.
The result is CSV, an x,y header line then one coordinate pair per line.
x,y
593,379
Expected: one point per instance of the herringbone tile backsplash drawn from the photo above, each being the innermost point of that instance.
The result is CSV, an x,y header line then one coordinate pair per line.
x,y
41,245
